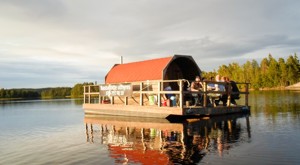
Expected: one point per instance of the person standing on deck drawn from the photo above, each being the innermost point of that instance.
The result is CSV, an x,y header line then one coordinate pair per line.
x,y
197,86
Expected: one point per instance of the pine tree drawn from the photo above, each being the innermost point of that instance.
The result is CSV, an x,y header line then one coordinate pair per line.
x,y
293,69
282,72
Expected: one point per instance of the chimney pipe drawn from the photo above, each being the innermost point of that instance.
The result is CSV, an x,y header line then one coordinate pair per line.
x,y
121,60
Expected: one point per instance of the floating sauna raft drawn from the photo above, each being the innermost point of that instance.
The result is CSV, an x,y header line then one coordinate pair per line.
x,y
137,89
147,101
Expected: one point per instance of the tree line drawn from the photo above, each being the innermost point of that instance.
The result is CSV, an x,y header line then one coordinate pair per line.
x,y
268,73
19,93
59,92
50,93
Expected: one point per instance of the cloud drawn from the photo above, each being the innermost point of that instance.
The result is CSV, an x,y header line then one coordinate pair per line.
x,y
45,74
76,41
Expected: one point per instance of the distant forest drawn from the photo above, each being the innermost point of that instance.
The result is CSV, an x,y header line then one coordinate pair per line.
x,y
268,73
45,93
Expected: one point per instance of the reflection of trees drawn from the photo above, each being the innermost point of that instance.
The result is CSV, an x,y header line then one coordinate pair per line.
x,y
187,145
271,103
204,136
78,101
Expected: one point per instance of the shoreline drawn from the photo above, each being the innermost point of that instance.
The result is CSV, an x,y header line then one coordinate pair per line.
x,y
37,98
294,87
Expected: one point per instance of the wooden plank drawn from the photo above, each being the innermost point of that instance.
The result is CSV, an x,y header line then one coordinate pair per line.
x,y
131,110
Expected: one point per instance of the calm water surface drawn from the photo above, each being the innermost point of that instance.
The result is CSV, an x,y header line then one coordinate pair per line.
x,y
58,132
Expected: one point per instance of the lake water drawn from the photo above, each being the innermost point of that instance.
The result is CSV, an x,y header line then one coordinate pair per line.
x,y
58,132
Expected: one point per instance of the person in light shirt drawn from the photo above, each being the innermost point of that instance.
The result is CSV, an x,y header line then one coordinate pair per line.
x,y
221,88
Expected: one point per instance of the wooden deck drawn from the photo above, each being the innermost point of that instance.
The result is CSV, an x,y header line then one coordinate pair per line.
x,y
161,112
215,111
131,110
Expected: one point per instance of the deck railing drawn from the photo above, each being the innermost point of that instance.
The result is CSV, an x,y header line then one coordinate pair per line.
x,y
143,93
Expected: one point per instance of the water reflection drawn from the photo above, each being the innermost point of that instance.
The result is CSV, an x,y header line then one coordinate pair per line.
x,y
157,141
273,103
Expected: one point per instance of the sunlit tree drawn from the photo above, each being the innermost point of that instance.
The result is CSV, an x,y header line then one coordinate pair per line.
x,y
283,72
272,72
293,68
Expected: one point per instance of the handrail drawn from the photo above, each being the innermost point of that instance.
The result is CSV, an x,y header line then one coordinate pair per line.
x,y
94,91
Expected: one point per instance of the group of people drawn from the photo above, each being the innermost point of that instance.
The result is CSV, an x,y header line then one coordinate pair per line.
x,y
213,85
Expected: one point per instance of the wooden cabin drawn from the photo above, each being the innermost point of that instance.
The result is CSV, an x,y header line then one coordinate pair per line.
x,y
140,89
169,68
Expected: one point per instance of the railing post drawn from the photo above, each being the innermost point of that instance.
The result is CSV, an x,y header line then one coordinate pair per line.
x,y
126,100
159,95
141,94
84,101
112,100
100,98
205,94
180,94
89,91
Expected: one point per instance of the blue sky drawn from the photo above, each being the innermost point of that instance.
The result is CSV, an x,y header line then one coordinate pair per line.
x,y
49,43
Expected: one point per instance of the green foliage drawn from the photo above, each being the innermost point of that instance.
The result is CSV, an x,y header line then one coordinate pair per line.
x,y
293,68
19,93
59,92
208,75
77,90
269,73
283,72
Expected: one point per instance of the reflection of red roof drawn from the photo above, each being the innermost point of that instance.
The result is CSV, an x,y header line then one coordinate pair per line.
x,y
138,156
138,71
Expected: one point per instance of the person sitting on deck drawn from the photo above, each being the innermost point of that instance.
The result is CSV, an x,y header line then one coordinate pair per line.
x,y
220,88
234,91
210,85
224,96
170,97
196,86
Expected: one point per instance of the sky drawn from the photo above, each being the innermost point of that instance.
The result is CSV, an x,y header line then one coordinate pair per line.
x,y
58,43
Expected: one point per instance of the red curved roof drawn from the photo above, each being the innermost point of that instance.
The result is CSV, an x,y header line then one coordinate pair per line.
x,y
138,71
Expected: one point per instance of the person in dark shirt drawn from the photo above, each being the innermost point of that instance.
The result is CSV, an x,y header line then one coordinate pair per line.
x,y
234,92
197,86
